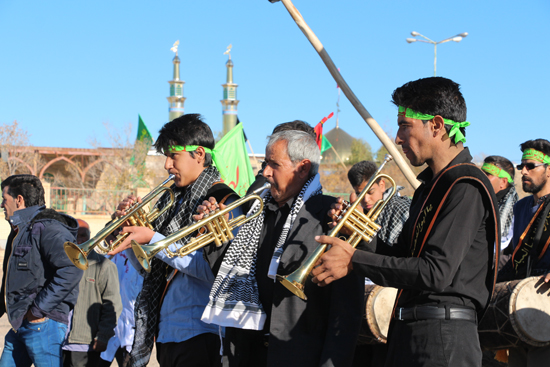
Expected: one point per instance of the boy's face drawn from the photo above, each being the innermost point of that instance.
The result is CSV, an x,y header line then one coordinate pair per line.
x,y
185,167
375,193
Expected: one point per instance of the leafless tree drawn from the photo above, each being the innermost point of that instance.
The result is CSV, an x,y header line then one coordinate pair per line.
x,y
18,156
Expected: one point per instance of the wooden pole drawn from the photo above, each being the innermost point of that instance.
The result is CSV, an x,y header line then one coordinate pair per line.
x,y
338,155
390,146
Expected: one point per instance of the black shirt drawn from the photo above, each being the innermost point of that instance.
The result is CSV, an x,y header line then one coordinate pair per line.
x,y
453,266
274,221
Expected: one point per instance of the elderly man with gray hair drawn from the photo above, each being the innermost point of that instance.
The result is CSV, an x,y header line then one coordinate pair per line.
x,y
267,325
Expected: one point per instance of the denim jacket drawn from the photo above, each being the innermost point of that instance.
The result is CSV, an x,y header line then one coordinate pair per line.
x,y
38,275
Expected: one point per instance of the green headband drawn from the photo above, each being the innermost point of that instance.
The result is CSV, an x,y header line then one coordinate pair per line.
x,y
535,155
455,130
495,171
191,148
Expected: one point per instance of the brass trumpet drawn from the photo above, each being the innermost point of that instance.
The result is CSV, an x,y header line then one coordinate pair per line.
x,y
136,215
362,226
217,229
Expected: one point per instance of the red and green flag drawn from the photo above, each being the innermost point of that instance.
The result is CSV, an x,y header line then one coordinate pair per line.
x,y
321,140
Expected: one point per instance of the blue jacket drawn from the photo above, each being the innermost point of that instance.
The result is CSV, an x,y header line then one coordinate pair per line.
x,y
38,275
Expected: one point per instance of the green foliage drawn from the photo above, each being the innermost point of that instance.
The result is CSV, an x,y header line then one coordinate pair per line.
x,y
381,154
360,151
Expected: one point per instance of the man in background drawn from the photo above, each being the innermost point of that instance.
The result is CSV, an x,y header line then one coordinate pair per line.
x,y
35,265
394,214
531,236
500,171
97,309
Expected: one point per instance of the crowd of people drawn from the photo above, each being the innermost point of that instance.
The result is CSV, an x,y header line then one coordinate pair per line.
x,y
444,250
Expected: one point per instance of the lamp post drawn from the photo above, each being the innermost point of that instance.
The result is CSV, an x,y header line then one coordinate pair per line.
x,y
456,38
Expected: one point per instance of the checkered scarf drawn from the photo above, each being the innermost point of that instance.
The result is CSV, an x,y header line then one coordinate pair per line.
x,y
392,218
234,298
506,210
147,308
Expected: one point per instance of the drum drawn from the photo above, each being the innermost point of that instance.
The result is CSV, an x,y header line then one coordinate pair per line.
x,y
379,303
518,315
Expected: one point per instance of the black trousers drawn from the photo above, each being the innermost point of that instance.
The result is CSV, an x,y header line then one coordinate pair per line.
x,y
445,343
246,348
81,359
200,351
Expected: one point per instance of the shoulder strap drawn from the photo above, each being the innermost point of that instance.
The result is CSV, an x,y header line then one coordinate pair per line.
x,y
435,201
533,242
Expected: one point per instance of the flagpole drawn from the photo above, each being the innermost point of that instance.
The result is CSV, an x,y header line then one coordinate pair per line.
x,y
338,155
253,154
316,43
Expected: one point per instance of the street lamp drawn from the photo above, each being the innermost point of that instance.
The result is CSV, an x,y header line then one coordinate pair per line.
x,y
456,38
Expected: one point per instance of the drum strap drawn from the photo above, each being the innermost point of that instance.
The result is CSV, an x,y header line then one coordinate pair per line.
x,y
434,203
533,242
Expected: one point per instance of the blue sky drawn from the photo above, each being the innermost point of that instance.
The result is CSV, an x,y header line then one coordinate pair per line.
x,y
67,67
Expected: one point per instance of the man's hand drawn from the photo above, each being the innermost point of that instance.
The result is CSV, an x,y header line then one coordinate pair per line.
x,y
335,210
546,278
126,204
141,235
99,346
208,207
335,263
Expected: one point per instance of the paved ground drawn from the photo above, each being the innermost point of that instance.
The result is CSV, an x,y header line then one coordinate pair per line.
x,y
5,327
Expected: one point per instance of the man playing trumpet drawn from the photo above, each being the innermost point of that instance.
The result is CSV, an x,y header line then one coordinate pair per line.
x,y
267,325
443,262
183,339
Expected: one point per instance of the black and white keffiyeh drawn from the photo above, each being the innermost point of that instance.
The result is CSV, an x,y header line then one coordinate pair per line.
x,y
147,308
506,211
393,217
234,298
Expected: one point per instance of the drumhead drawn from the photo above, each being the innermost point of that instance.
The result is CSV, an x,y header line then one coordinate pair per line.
x,y
379,309
530,311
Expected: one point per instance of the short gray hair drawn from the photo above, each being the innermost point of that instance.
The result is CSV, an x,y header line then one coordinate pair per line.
x,y
300,146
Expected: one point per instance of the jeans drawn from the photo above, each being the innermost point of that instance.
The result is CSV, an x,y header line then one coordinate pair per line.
x,y
38,343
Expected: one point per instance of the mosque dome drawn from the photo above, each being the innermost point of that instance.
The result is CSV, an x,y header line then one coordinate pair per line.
x,y
341,141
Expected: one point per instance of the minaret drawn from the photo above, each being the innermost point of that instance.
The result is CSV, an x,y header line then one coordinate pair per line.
x,y
229,101
176,98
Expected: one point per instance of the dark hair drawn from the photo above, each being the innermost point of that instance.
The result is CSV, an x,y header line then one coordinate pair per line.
x,y
542,145
295,125
28,186
361,171
433,96
502,163
187,129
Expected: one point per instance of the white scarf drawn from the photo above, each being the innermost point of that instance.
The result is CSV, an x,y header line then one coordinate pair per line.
x,y
234,298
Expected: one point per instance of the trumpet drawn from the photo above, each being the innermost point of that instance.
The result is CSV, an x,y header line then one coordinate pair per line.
x,y
362,227
216,229
136,215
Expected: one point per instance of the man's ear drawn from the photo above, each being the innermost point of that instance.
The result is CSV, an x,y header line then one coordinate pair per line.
x,y
304,168
200,154
503,183
438,125
20,202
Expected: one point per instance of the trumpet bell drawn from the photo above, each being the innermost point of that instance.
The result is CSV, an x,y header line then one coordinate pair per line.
x,y
136,216
141,256
76,255
294,284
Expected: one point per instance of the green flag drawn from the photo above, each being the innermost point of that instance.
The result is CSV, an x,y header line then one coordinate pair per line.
x,y
141,146
231,159
325,144
143,133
